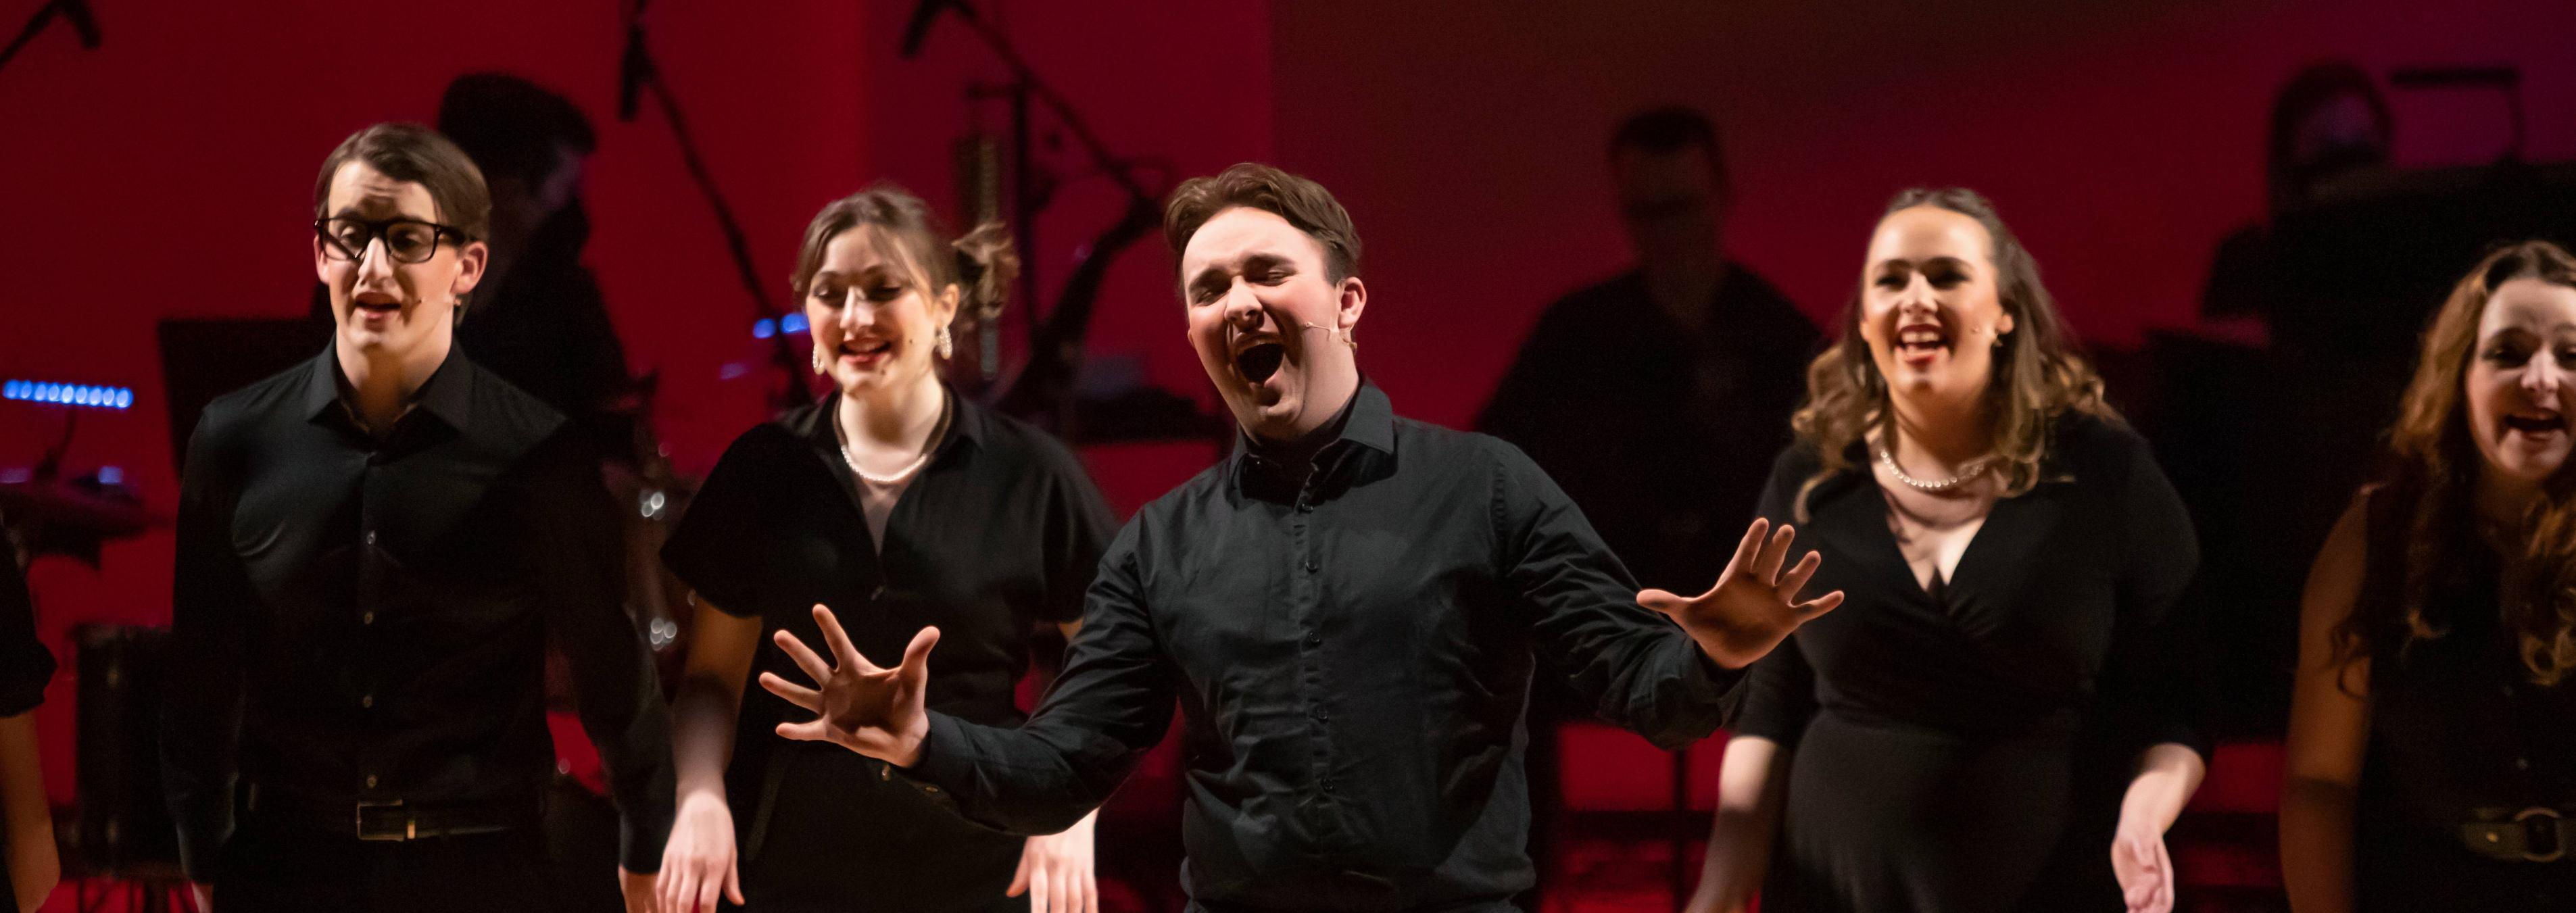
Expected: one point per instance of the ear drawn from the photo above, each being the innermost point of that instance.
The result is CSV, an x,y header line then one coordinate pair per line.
x,y
1354,299
2004,327
943,308
469,269
321,261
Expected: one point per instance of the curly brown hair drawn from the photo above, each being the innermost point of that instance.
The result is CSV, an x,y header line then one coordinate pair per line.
x,y
2038,375
2433,467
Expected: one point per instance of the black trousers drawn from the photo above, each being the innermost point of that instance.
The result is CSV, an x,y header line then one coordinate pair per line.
x,y
276,865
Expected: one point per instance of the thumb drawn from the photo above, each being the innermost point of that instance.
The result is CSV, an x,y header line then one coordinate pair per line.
x,y
1668,603
918,652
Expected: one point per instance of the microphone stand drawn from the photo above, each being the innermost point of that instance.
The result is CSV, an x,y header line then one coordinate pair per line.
x,y
36,25
640,68
1043,388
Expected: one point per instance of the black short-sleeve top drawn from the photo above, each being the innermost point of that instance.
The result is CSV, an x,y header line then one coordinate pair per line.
x,y
1000,533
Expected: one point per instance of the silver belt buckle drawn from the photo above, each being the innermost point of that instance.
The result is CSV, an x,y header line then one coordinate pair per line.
x,y
411,828
2557,834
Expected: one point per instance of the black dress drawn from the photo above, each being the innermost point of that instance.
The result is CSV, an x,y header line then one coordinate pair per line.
x,y
2458,733
1967,751
999,534
25,666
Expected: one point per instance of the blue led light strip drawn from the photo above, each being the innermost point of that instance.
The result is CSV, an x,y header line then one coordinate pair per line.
x,y
93,396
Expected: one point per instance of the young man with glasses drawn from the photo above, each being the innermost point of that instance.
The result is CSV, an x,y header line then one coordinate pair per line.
x,y
374,548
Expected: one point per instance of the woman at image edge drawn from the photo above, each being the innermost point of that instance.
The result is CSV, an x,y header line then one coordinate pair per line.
x,y
2432,743
2002,716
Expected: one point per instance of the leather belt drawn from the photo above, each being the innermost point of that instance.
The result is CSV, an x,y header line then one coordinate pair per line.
x,y
395,820
2535,834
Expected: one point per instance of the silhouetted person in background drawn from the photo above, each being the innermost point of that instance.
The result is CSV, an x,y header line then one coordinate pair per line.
x,y
538,321
2328,122
1656,397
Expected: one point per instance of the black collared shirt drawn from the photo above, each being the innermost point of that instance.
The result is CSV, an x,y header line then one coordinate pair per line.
x,y
1352,656
363,620
998,535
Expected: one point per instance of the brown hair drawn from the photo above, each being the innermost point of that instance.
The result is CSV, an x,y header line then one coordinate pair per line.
x,y
2433,468
981,263
2037,373
1302,202
419,155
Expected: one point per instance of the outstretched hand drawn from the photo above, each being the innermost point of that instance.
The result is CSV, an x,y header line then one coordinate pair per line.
x,y
1753,606
859,706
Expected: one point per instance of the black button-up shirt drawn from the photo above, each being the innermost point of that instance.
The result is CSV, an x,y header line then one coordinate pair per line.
x,y
1352,654
363,620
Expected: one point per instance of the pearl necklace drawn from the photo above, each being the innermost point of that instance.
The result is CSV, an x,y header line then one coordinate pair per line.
x,y
929,446
1975,468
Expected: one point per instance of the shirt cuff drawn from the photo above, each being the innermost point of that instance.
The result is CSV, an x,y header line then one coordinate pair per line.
x,y
946,761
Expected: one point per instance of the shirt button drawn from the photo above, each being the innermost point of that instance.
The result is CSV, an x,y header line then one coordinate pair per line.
x,y
1313,565
371,537
368,702
1314,640
367,617
2522,763
371,781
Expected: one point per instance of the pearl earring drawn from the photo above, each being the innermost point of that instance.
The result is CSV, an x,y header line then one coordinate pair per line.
x,y
947,343
819,367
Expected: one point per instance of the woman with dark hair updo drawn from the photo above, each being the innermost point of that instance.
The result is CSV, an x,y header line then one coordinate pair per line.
x,y
2432,746
2000,717
901,505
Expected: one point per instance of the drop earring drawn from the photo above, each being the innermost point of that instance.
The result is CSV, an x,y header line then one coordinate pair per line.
x,y
819,367
947,343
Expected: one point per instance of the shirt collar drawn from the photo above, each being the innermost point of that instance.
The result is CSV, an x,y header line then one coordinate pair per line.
x,y
448,394
1368,422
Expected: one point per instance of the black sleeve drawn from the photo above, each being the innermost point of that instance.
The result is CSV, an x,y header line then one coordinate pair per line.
x,y
2154,680
719,548
1779,693
1640,671
1111,705
1079,526
615,688
25,665
201,705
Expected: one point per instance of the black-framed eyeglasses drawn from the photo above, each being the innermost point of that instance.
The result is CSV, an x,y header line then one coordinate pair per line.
x,y
406,240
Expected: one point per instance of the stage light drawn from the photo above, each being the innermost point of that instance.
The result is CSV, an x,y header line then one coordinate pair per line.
x,y
764,328
111,475
92,396
792,323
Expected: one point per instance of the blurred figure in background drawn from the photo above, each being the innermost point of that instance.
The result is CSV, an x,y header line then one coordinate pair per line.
x,y
1655,397
2431,762
2329,122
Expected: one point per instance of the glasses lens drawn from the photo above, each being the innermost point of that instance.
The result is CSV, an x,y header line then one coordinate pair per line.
x,y
411,242
343,239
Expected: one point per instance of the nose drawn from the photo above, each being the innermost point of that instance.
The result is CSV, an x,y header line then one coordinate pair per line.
x,y
856,310
2543,378
1916,298
1242,310
375,263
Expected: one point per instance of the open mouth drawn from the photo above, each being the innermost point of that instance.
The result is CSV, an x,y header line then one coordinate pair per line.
x,y
1257,362
866,349
1921,340
2535,423
376,305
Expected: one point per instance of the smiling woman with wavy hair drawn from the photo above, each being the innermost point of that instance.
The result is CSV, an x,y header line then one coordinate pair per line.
x,y
2439,626
2000,716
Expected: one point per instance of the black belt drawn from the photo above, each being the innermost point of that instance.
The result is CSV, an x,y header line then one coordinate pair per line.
x,y
2536,834
395,819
